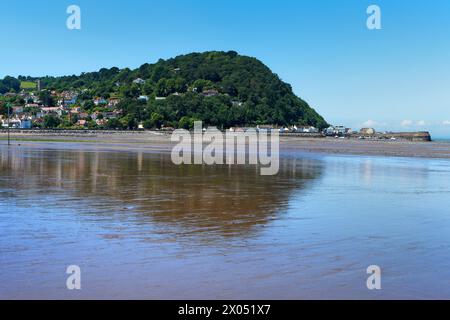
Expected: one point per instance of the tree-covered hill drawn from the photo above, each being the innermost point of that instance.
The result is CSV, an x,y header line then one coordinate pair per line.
x,y
221,88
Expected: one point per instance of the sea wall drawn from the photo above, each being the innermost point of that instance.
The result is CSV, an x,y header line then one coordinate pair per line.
x,y
406,136
68,132
411,136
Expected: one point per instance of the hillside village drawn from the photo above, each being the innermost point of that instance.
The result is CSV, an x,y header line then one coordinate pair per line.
x,y
45,109
221,89
65,110
30,111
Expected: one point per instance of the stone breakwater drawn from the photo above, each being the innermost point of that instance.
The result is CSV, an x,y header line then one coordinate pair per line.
x,y
403,136
407,136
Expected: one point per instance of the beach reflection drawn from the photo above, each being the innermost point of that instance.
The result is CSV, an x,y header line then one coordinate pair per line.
x,y
196,200
140,227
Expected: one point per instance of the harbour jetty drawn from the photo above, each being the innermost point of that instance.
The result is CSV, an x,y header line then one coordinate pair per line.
x,y
424,136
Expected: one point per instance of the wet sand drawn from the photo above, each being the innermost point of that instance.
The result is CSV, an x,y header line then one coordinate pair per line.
x,y
368,147
141,227
160,142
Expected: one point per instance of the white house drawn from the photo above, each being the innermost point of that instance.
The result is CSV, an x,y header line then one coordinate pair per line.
x,y
100,101
143,98
139,81
17,123
50,110
306,129
336,131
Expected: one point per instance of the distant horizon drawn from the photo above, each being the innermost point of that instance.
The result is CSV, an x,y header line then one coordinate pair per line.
x,y
384,126
395,78
195,152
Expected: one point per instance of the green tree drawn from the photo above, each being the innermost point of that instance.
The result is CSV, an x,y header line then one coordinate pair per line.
x,y
51,122
10,84
201,85
92,125
187,122
89,105
46,98
65,123
74,119
148,88
148,124
3,108
128,122
114,124
157,120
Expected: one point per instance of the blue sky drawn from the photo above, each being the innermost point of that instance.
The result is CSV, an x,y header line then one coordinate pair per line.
x,y
396,78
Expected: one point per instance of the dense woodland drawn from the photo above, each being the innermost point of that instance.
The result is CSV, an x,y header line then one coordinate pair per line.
x,y
244,91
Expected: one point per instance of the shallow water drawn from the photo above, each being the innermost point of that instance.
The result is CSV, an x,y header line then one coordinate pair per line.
x,y
141,227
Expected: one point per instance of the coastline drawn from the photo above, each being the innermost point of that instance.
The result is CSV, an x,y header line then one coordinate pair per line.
x,y
149,141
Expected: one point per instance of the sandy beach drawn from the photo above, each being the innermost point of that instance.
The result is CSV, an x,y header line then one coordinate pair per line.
x,y
160,142
111,203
